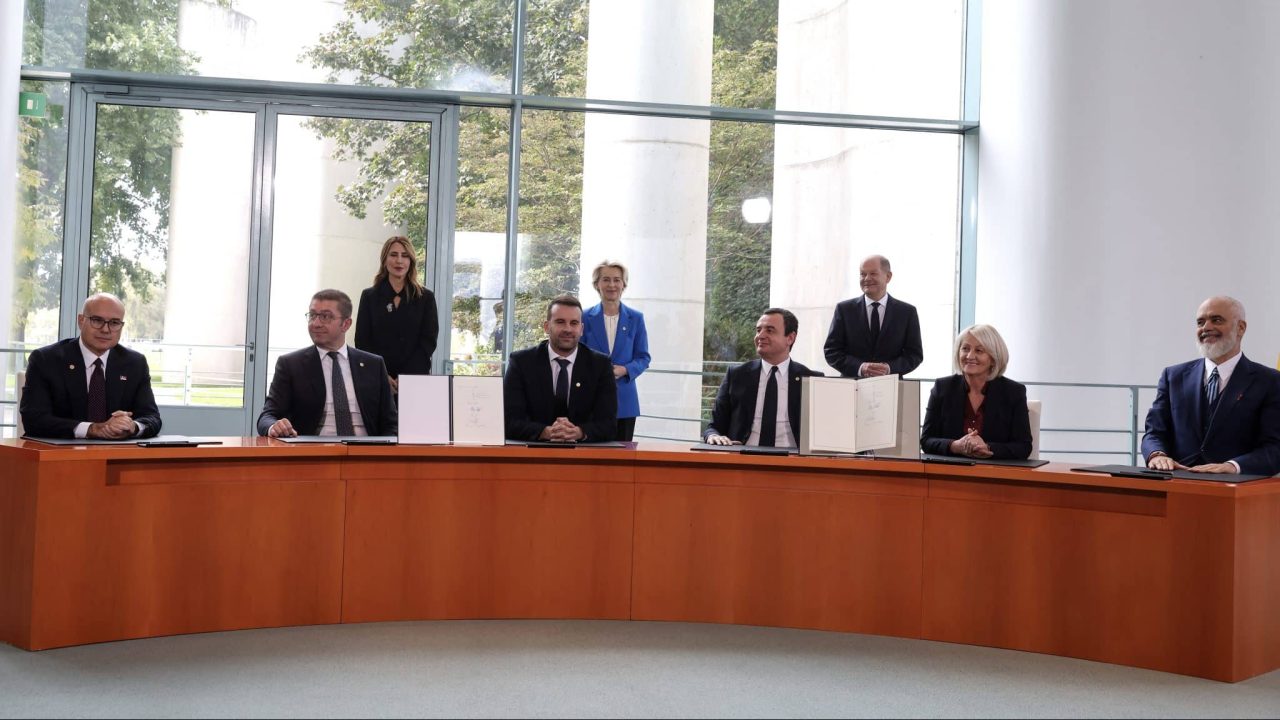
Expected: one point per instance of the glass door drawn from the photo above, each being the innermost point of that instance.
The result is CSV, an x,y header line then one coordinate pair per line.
x,y
342,183
168,197
215,216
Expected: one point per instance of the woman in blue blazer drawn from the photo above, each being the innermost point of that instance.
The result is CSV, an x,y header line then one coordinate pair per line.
x,y
618,331
978,413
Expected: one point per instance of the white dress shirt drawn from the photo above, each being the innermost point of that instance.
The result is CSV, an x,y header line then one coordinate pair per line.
x,y
330,425
782,436
82,430
555,369
1224,376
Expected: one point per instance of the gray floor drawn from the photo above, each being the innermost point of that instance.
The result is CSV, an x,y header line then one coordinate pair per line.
x,y
598,669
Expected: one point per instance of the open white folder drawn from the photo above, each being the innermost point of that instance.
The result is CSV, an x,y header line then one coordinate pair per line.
x,y
843,415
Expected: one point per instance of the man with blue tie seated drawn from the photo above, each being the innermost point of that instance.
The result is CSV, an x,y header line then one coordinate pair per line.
x,y
329,388
758,403
1220,414
91,386
560,390
874,334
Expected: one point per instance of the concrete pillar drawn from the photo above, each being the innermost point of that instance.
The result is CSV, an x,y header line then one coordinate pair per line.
x,y
644,197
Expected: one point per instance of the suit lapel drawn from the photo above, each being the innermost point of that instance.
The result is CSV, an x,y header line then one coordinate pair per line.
x,y
313,374
1232,394
1192,392
542,376
116,376
74,372
794,376
750,391
360,376
860,317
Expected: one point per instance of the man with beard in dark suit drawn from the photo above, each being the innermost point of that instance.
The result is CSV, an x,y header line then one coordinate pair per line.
x,y
560,390
1219,414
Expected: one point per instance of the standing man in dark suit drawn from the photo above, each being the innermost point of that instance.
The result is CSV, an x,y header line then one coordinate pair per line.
x,y
874,334
1220,414
561,390
759,401
329,388
91,386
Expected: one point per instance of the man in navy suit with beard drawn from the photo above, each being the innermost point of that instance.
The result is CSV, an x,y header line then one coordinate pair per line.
x,y
1219,414
874,334
759,401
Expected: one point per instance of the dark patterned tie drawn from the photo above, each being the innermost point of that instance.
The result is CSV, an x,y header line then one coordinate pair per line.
x,y
769,413
562,388
875,323
341,408
98,394
1211,389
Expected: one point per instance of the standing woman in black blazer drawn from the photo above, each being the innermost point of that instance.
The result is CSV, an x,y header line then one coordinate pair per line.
x,y
978,413
397,316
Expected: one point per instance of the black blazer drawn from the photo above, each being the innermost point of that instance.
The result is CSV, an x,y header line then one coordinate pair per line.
x,y
1245,426
735,407
849,339
1006,425
529,397
55,398
297,393
406,337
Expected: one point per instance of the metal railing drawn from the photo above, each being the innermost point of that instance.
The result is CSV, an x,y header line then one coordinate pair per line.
x,y
188,393
1133,420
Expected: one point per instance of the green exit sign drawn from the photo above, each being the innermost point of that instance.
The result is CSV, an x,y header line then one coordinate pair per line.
x,y
31,104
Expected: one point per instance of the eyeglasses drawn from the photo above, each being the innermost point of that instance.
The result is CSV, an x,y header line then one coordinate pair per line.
x,y
325,317
99,322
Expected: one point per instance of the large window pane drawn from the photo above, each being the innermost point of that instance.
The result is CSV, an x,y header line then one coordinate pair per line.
x,y
863,57
342,187
30,316
172,193
447,44
718,221
480,242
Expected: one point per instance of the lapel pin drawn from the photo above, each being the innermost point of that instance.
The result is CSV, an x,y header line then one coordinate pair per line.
x,y
71,367
123,378
624,328
577,384
361,364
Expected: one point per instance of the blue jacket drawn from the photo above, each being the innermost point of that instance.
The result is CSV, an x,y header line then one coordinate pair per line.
x,y
630,349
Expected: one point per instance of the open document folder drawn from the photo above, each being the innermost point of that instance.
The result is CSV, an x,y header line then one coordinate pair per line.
x,y
844,415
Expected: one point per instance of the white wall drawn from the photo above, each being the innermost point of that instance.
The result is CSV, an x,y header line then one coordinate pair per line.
x,y
1129,168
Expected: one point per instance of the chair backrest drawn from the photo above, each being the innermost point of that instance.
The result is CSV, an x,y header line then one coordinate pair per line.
x,y
19,381
1033,414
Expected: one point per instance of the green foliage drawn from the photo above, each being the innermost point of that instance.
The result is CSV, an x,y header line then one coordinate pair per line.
x,y
133,146
743,71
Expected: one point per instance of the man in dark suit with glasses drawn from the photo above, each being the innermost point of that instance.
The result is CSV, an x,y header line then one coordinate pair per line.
x,y
330,388
90,386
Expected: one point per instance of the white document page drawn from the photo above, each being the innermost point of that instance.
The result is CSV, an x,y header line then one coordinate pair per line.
x,y
827,407
478,417
877,413
424,409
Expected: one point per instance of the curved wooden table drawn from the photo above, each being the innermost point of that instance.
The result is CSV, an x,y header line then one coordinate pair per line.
x,y
110,543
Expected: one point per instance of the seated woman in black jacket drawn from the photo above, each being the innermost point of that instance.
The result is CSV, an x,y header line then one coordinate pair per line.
x,y
978,413
397,316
